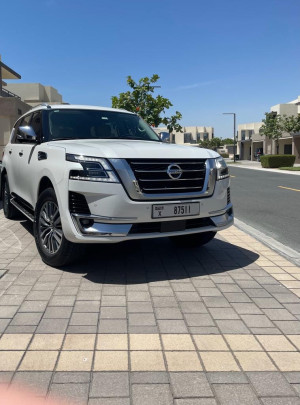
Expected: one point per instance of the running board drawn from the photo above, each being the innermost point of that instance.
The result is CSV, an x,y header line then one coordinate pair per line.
x,y
22,209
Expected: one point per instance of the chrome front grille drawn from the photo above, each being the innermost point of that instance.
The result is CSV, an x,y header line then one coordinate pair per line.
x,y
153,177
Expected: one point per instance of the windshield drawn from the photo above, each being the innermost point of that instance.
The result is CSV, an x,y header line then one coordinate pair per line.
x,y
96,124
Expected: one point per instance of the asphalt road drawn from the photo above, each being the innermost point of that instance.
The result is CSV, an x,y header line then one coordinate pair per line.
x,y
260,201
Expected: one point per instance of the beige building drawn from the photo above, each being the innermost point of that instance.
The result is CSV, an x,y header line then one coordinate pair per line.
x,y
11,105
18,98
190,136
249,139
35,93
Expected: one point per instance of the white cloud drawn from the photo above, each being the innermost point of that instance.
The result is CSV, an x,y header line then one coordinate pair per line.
x,y
195,85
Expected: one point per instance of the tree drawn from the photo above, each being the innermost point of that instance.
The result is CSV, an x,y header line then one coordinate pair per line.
x,y
213,143
227,141
141,101
291,124
272,127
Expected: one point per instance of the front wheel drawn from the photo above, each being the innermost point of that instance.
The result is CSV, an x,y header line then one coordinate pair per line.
x,y
193,240
54,248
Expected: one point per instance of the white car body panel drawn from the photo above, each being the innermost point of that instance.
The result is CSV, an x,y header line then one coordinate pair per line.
x,y
109,203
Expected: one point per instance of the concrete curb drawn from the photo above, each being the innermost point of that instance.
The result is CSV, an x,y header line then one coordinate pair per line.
x,y
265,170
290,254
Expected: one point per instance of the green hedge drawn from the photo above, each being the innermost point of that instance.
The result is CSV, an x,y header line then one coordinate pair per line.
x,y
277,160
225,155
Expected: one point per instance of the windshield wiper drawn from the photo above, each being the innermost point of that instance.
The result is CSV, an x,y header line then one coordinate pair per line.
x,y
63,139
139,139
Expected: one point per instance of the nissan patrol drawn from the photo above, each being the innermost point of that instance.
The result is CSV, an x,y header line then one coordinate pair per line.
x,y
85,174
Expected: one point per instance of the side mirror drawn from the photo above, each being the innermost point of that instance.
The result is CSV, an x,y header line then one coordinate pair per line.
x,y
165,137
26,134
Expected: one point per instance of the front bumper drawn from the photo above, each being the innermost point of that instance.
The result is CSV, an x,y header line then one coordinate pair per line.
x,y
97,228
115,217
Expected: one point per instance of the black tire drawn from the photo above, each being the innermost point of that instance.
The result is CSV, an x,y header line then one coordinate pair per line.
x,y
193,240
9,210
63,252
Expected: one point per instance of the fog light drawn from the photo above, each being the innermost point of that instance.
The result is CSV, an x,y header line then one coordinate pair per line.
x,y
87,223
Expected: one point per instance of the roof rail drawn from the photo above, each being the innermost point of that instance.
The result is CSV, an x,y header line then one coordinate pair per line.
x,y
42,104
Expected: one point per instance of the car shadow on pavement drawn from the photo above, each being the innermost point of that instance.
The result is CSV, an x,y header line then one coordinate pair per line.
x,y
157,259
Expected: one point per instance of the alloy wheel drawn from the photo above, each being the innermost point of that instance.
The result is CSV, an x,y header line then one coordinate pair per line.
x,y
49,227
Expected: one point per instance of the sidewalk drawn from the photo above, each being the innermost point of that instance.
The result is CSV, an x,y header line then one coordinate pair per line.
x,y
248,164
146,323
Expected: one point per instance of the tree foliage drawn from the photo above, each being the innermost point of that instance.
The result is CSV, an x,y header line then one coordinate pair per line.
x,y
140,100
274,125
290,124
213,143
227,141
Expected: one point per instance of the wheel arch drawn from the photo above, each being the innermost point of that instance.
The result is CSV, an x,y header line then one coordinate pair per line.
x,y
45,183
3,173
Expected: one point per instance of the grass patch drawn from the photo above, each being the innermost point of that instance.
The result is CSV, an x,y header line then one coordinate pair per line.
x,y
232,163
292,169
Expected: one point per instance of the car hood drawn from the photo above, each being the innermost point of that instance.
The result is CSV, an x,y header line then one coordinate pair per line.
x,y
128,149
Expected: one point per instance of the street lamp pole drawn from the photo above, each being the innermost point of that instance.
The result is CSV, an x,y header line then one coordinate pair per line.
x,y
234,138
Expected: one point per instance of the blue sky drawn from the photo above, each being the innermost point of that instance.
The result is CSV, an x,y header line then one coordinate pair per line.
x,y
212,56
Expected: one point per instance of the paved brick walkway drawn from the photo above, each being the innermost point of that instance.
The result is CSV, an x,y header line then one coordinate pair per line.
x,y
147,323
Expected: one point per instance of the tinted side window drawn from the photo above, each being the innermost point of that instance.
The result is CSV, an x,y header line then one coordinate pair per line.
x,y
36,124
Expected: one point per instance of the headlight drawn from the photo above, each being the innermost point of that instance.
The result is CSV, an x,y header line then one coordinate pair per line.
x,y
93,169
222,169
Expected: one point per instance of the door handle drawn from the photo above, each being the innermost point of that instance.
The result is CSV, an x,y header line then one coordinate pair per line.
x,y
21,154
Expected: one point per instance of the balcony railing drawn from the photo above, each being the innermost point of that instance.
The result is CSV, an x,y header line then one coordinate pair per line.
x,y
7,93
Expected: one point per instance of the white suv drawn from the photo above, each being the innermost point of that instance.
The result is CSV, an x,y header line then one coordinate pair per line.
x,y
87,174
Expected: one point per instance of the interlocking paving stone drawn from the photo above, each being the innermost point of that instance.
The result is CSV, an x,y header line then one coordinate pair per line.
x,y
195,401
149,394
109,401
63,377
181,317
8,311
190,385
9,360
52,326
219,361
270,384
232,326
232,377
281,401
57,312
234,394
148,377
74,393
109,384
35,380
172,326
147,361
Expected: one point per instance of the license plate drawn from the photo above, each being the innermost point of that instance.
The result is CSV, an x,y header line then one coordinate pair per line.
x,y
175,210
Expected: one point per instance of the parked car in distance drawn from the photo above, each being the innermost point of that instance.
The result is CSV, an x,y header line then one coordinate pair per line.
x,y
86,174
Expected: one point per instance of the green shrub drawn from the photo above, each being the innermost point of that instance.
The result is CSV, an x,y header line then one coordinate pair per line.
x,y
277,160
225,155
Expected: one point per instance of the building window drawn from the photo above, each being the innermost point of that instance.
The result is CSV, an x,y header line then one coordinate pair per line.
x,y
187,137
250,133
243,135
205,136
198,138
288,149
